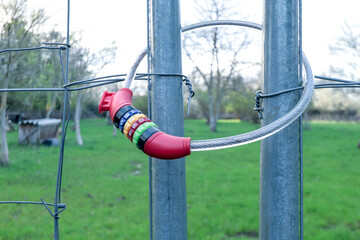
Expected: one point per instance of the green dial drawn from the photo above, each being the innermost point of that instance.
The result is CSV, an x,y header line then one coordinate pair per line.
x,y
141,129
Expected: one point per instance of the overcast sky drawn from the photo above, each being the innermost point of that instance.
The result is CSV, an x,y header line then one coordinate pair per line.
x,y
124,21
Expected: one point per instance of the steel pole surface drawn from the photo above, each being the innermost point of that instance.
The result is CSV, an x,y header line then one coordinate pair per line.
x,y
279,160
169,217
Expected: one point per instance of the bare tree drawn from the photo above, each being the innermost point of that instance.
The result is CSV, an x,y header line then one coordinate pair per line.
x,y
81,59
347,47
221,49
53,70
16,31
77,119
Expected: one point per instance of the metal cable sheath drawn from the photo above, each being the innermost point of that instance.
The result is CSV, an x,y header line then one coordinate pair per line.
x,y
131,74
221,23
268,130
256,135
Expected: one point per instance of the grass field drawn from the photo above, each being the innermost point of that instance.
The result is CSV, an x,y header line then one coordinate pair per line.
x,y
105,186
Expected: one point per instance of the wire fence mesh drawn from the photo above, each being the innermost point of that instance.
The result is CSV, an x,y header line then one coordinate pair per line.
x,y
57,205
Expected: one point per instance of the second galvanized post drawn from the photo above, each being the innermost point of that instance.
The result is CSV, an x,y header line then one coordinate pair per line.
x,y
279,163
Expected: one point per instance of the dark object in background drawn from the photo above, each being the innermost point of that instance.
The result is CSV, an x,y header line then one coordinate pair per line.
x,y
15,117
51,142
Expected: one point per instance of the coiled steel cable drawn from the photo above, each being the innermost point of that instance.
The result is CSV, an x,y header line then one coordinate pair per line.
x,y
256,135
221,23
268,130
131,73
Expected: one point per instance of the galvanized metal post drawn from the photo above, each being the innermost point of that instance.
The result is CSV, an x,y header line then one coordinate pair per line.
x,y
169,218
279,161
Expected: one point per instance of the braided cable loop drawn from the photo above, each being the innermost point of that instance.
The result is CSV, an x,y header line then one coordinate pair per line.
x,y
263,132
221,23
268,130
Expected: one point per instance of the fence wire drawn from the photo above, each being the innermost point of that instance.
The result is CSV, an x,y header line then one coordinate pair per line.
x,y
111,79
68,87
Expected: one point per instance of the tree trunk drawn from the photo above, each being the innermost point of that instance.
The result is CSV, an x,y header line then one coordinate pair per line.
x,y
52,106
213,123
108,119
4,157
4,154
115,131
77,118
217,110
306,119
212,114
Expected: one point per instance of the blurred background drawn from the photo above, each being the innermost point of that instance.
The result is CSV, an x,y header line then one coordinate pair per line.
x,y
106,178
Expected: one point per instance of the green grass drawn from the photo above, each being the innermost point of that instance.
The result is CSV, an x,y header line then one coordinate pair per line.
x,y
105,186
